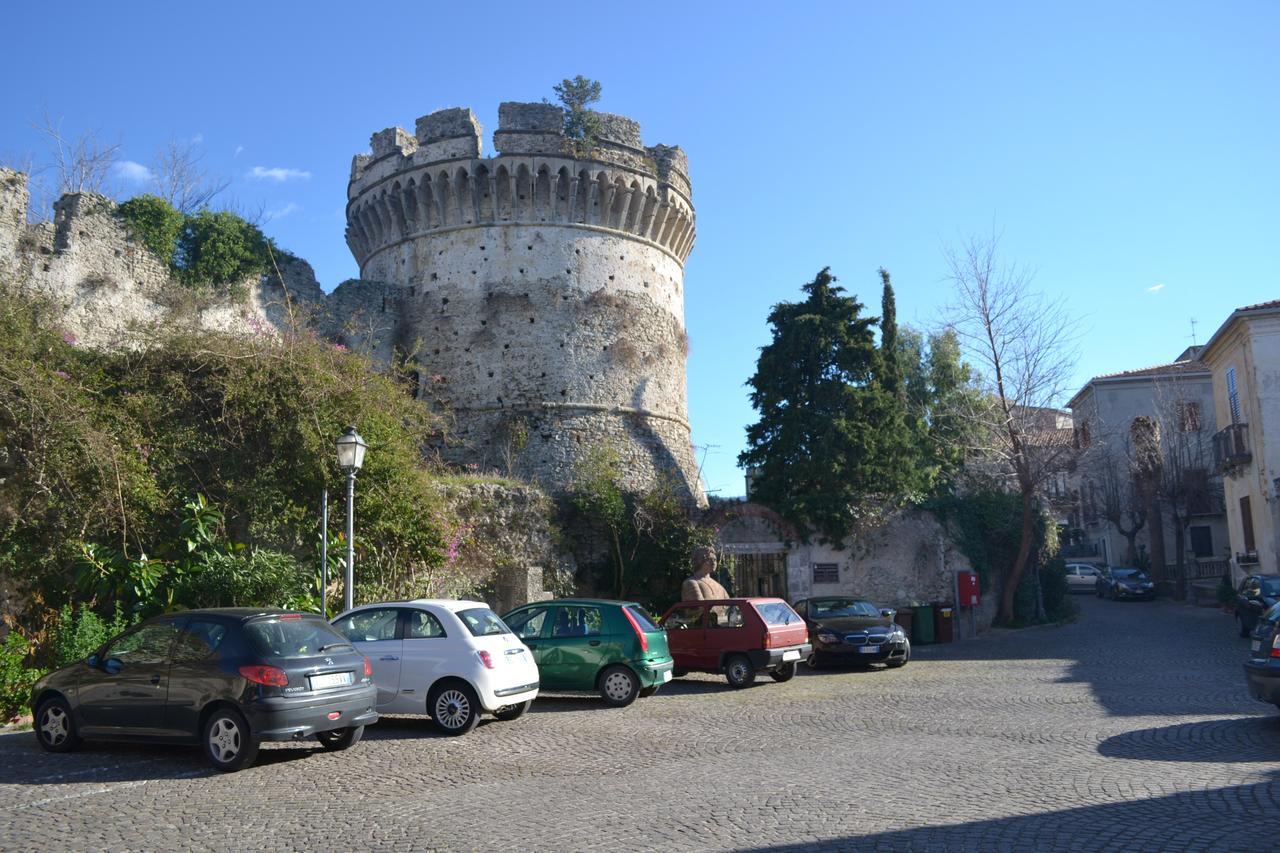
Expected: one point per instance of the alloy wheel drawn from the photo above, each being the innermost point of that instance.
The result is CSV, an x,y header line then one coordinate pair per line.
x,y
54,727
224,740
452,709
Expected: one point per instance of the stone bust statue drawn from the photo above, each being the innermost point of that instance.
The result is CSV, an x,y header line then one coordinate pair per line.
x,y
701,586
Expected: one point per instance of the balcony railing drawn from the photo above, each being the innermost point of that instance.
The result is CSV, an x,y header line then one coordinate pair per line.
x,y
1079,550
1248,558
1231,448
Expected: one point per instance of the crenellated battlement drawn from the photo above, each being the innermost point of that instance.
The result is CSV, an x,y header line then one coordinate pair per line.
x,y
435,179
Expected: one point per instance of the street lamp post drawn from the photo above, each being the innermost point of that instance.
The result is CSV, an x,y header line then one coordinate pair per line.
x,y
351,448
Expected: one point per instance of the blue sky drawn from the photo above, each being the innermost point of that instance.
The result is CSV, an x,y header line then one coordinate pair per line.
x,y
1128,153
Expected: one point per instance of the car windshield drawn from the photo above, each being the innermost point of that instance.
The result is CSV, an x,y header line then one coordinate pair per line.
x,y
1271,586
294,636
1129,574
776,613
834,608
483,622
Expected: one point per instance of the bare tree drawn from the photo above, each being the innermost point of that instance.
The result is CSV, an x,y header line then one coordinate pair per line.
x,y
1148,470
1120,504
179,178
82,163
1022,345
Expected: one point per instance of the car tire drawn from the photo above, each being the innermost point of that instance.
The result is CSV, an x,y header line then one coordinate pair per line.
x,y
739,671
512,712
784,672
679,673
227,741
646,692
618,686
337,740
813,661
898,664
54,726
1244,632
454,708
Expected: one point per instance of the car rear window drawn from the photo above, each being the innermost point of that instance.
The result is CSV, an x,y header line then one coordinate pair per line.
x,y
777,613
293,638
643,619
1271,586
483,622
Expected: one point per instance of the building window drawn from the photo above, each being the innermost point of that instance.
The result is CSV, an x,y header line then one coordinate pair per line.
x,y
1202,541
1246,522
826,573
1233,395
1188,416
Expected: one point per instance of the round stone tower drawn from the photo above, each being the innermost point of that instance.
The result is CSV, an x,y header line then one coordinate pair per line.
x,y
542,288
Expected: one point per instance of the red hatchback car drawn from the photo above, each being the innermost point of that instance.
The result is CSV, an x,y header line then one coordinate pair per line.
x,y
738,637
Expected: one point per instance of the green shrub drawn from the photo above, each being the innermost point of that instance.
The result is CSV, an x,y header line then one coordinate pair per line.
x,y
1057,595
220,248
16,678
1226,591
79,632
243,579
154,221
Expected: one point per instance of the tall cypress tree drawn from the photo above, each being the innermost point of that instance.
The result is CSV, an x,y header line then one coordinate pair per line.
x,y
889,336
830,443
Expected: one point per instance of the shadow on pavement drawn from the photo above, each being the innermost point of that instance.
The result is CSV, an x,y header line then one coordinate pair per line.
x,y
1225,741
1211,819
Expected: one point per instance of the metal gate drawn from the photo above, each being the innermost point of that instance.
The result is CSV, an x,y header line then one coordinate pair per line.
x,y
755,574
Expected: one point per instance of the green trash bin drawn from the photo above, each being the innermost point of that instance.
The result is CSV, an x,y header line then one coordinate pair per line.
x,y
922,625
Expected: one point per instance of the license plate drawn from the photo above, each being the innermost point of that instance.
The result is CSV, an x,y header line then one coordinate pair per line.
x,y
868,650
329,679
1255,645
666,676
794,654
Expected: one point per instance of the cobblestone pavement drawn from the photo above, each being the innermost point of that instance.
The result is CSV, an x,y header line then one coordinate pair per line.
x,y
1129,729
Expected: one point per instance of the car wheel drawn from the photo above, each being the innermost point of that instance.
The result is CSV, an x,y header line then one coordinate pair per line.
x,y
340,739
739,672
54,727
512,712
906,656
812,661
646,692
679,673
784,672
619,686
228,744
454,708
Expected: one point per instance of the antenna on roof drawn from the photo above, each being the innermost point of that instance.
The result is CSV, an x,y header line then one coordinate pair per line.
x,y
1193,331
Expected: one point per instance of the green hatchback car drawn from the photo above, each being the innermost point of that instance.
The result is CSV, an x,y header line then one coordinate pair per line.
x,y
587,644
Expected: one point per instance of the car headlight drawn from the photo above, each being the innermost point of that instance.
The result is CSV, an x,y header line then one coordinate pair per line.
x,y
828,638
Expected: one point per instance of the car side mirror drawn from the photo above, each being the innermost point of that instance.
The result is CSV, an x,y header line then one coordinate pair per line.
x,y
92,661
112,666
888,612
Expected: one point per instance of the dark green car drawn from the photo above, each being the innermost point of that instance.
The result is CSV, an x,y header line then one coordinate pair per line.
x,y
588,644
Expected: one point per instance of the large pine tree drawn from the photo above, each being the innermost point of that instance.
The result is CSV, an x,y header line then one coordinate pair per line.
x,y
831,441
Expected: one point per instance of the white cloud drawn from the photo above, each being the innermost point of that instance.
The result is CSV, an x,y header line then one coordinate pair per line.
x,y
133,172
278,174
197,139
239,148
1155,288
280,213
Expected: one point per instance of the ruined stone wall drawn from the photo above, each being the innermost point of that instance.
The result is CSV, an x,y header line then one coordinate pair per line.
x,y
544,293
111,290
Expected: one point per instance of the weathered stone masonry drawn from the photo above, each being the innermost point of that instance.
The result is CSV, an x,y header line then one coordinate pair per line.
x,y
541,290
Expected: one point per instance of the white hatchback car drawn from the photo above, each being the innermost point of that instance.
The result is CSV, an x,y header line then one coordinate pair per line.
x,y
450,659
1081,577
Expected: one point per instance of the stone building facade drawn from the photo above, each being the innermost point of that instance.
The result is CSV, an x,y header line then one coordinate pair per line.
x,y
542,292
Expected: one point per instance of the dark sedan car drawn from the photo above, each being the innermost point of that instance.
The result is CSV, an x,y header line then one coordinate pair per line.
x,y
1262,670
1117,583
226,679
1257,594
852,631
